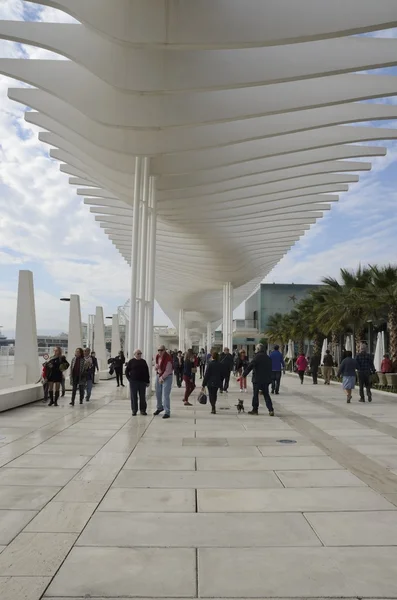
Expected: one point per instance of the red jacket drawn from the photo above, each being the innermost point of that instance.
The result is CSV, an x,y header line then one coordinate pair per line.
x,y
386,366
301,363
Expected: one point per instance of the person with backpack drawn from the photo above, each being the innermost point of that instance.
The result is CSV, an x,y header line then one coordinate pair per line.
x,y
328,363
213,380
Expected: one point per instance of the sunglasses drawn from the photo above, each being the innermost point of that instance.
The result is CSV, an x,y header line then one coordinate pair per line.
x,y
139,353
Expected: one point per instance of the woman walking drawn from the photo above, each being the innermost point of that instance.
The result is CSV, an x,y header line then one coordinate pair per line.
x,y
202,361
301,366
54,369
137,373
241,364
118,363
78,375
213,380
188,376
347,370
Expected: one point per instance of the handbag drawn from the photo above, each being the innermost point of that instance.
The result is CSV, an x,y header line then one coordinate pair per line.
x,y
111,370
194,370
202,398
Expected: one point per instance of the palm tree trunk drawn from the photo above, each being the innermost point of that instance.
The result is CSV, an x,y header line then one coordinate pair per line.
x,y
334,342
317,344
359,337
301,346
392,326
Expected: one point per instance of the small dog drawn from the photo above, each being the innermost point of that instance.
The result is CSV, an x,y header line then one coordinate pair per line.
x,y
240,406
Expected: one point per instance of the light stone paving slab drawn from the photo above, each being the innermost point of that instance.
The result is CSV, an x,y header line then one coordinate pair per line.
x,y
291,450
160,463
205,441
325,572
381,450
319,479
35,554
342,433
61,449
17,497
269,463
355,529
98,473
49,461
62,517
197,451
82,491
12,522
149,500
265,433
197,479
390,462
291,500
143,572
23,588
36,477
197,530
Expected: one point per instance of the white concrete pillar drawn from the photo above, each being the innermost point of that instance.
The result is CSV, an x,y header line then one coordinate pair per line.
x,y
134,254
75,337
143,262
26,362
182,331
90,332
126,332
99,332
209,337
151,276
116,344
227,328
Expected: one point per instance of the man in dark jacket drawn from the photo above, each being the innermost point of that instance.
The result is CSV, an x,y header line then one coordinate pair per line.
x,y
261,365
365,367
314,366
227,362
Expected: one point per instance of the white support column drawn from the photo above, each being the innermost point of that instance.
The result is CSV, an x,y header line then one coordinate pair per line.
x,y
75,337
126,333
26,362
143,256
134,255
99,332
182,331
151,277
227,327
209,337
90,332
116,344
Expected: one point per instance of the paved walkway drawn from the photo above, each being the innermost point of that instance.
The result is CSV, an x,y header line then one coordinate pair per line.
x,y
96,504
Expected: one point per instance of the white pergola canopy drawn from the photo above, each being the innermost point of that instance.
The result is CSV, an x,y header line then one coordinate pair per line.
x,y
246,108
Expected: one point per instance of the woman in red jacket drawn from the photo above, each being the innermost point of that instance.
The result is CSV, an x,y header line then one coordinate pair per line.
x,y
301,366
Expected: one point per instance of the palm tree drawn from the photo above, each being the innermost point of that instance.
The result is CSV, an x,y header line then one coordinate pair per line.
x,y
308,308
382,295
278,329
346,304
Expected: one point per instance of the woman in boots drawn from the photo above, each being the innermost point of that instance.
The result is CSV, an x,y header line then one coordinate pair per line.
x,y
54,369
213,378
78,375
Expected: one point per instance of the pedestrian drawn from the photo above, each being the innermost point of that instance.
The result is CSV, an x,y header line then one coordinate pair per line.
x,y
95,366
202,362
178,363
89,373
347,370
44,382
278,365
54,373
163,382
301,366
261,365
386,365
118,364
78,375
195,366
213,380
328,363
365,368
314,366
227,362
188,376
241,364
137,373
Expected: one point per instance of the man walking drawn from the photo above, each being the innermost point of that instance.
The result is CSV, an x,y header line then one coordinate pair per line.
x,y
95,366
278,365
366,368
314,365
261,365
164,372
328,363
90,373
227,367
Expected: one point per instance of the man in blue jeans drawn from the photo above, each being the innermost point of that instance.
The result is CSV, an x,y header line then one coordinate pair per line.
x,y
261,365
278,365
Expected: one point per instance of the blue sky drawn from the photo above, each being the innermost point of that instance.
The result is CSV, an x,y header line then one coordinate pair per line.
x,y
45,227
